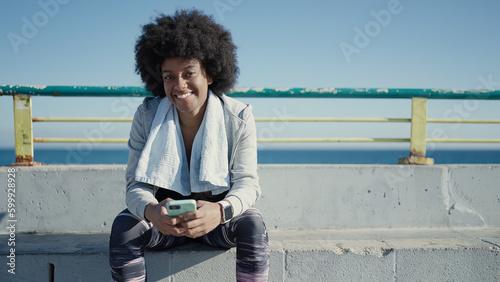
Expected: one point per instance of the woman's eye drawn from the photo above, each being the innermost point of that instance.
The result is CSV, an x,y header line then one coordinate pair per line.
x,y
191,73
168,77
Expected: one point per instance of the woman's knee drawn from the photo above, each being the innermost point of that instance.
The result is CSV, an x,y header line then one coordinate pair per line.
x,y
250,223
127,227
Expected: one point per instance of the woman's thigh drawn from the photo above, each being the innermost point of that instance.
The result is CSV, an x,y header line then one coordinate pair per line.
x,y
248,226
129,230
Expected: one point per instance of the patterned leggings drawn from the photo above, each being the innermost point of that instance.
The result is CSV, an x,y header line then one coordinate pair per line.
x,y
247,232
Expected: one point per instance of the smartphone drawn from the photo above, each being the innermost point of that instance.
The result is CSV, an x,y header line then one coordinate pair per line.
x,y
175,208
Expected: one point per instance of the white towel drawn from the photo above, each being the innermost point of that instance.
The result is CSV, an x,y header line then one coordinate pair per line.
x,y
163,159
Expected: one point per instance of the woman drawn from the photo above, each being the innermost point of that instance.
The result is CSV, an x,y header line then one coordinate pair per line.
x,y
190,142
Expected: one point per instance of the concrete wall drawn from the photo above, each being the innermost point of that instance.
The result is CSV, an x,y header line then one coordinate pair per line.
x,y
378,223
59,199
380,196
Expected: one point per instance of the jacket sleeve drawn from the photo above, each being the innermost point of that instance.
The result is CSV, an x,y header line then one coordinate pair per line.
x,y
138,194
245,189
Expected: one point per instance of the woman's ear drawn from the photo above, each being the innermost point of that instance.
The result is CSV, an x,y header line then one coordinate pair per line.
x,y
210,80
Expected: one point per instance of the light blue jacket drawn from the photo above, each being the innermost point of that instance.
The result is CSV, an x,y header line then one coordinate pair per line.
x,y
242,156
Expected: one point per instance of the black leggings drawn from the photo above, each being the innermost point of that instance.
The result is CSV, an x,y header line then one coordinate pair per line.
x,y
247,232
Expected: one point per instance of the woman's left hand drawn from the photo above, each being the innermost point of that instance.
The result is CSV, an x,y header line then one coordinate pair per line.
x,y
200,222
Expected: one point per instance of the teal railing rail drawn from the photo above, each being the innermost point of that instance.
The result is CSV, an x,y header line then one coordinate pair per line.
x,y
132,91
23,120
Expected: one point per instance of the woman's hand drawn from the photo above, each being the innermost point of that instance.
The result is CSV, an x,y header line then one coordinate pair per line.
x,y
158,215
200,222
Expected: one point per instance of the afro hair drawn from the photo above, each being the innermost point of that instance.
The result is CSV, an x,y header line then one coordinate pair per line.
x,y
187,34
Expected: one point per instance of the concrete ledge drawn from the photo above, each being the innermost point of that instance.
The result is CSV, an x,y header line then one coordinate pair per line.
x,y
450,254
86,198
326,222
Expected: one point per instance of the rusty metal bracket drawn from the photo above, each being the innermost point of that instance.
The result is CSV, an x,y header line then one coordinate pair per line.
x,y
23,128
418,133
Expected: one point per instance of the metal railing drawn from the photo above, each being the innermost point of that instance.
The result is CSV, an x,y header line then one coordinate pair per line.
x,y
23,120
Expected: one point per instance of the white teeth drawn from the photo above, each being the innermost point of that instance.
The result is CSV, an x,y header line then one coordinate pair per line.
x,y
184,96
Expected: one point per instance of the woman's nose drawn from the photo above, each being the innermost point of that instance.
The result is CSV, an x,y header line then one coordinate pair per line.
x,y
180,83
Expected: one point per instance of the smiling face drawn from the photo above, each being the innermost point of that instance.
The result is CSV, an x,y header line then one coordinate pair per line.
x,y
186,85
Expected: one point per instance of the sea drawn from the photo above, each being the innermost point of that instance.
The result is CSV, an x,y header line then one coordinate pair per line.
x,y
273,156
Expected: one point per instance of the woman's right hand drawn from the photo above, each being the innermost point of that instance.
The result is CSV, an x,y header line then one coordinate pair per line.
x,y
158,215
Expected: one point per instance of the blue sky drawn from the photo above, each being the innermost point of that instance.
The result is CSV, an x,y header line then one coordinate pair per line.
x,y
298,43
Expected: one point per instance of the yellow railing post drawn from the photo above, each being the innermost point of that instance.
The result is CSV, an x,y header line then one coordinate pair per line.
x,y
418,133
23,130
